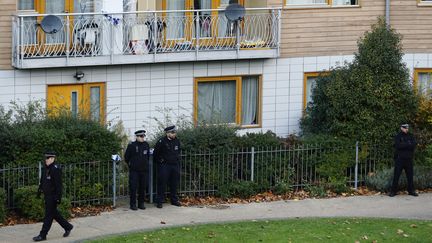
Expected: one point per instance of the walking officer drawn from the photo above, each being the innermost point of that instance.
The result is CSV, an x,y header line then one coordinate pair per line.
x,y
137,157
404,144
167,156
51,186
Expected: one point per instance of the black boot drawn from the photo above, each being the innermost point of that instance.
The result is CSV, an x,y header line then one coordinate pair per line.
x,y
67,232
141,206
133,207
39,238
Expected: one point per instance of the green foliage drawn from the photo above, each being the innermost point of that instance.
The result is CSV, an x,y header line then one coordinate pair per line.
x,y
74,139
241,189
207,137
267,139
33,208
3,210
365,100
316,190
281,187
382,179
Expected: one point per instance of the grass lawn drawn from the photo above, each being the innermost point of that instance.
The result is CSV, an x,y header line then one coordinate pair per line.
x,y
292,230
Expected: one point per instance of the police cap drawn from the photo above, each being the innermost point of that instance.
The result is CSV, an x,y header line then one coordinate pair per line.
x,y
170,129
49,153
140,133
405,125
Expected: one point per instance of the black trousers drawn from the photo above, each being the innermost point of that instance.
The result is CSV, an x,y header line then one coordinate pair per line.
x,y
52,213
168,174
137,182
407,165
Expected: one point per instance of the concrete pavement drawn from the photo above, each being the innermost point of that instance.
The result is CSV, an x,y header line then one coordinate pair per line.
x,y
123,220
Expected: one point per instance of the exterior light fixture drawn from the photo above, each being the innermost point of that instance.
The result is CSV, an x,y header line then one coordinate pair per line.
x,y
79,75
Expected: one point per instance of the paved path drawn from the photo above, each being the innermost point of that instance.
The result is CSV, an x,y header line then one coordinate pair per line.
x,y
124,220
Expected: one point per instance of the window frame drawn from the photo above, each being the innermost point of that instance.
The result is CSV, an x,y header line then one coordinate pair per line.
x,y
416,77
238,92
307,75
328,4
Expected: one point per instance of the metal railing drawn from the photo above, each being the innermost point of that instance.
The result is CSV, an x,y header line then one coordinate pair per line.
x,y
144,33
204,173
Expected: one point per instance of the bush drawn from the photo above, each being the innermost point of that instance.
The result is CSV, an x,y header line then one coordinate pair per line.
x,y
33,208
241,189
316,190
281,187
3,210
267,139
368,99
382,179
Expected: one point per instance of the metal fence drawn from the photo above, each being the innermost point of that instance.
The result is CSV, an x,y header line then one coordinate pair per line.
x,y
203,173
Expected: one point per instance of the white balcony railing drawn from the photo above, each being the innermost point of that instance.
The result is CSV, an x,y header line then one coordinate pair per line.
x,y
145,37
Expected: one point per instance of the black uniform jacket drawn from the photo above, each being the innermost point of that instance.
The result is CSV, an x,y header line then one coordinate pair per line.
x,y
51,181
167,151
404,144
137,156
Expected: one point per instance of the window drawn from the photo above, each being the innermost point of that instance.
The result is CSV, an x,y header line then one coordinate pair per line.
x,y
26,5
309,83
423,81
232,100
322,2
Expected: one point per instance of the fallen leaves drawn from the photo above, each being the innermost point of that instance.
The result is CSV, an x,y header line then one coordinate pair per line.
x,y
14,218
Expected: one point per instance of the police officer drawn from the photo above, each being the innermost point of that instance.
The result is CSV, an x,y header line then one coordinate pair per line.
x,y
51,186
404,144
137,157
167,156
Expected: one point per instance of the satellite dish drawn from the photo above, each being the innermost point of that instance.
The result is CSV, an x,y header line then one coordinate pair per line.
x,y
235,12
51,24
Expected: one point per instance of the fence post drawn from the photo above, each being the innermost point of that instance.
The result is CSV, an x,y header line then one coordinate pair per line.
x,y
151,176
252,163
114,181
356,166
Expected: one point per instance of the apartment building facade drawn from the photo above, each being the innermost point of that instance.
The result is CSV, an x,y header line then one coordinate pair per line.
x,y
136,60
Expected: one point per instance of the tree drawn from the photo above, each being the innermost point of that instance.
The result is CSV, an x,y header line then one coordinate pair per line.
x,y
367,99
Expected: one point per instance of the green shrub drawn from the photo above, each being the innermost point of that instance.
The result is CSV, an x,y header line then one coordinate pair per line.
x,y
281,187
316,190
382,179
338,185
267,139
367,99
3,210
241,189
32,207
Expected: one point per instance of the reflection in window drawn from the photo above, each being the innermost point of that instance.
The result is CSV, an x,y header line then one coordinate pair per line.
x,y
250,100
74,104
221,101
310,85
95,103
26,5
217,102
425,83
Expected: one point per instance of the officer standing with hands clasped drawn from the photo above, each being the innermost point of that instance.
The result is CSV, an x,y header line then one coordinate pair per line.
x,y
167,156
51,186
137,157
404,144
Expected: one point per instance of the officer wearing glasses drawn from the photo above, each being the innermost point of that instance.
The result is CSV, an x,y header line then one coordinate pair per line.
x,y
137,157
167,157
405,145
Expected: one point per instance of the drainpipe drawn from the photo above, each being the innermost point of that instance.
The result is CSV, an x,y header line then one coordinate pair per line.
x,y
387,13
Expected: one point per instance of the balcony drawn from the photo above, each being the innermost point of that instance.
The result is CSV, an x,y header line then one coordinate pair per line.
x,y
88,39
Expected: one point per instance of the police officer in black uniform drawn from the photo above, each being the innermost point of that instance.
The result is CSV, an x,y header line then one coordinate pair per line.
x,y
404,144
167,156
137,157
51,186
